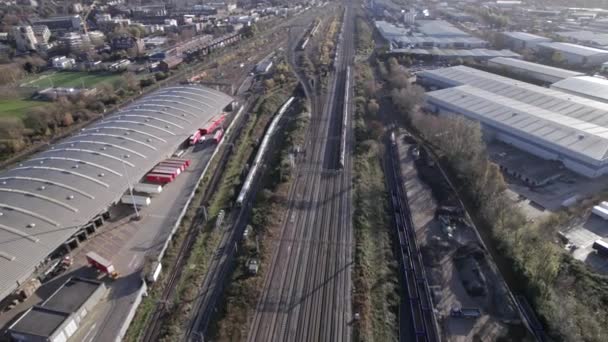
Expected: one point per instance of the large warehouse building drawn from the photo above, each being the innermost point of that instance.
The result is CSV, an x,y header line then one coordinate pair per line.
x,y
53,196
539,72
548,123
591,87
574,55
523,40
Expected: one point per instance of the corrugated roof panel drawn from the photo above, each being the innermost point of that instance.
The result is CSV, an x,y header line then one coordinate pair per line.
x,y
47,198
535,67
534,122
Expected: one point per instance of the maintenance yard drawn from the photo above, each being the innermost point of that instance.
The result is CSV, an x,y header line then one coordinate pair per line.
x,y
472,301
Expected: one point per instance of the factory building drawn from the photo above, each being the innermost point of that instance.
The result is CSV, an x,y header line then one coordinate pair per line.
x,y
454,54
442,43
573,54
539,72
439,29
59,317
544,122
589,38
595,88
56,196
523,40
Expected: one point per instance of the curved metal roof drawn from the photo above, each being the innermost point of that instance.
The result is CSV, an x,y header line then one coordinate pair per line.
x,y
46,199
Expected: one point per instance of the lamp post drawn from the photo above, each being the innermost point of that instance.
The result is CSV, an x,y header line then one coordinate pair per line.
x,y
130,187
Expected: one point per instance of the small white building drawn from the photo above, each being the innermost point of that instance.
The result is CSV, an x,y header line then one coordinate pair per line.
x,y
63,63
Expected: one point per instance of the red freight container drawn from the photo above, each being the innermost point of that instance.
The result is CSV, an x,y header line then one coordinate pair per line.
x,y
195,137
215,124
181,166
159,178
218,136
186,161
166,171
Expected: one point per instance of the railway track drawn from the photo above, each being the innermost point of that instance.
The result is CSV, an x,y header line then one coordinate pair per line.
x,y
417,304
154,326
306,294
195,329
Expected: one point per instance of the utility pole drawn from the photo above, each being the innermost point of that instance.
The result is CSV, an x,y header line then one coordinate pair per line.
x,y
130,187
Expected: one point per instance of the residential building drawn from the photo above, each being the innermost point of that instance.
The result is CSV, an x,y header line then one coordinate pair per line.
x,y
25,40
127,42
63,63
75,42
42,33
61,23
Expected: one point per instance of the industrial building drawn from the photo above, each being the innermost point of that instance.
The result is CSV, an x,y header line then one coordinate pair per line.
x,y
58,317
427,34
453,54
535,71
389,31
439,29
593,39
523,40
442,43
575,55
591,87
548,123
50,200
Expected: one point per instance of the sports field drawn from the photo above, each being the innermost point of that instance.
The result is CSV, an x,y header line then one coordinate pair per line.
x,y
17,108
71,79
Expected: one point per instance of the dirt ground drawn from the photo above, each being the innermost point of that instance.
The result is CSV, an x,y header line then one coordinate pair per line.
x,y
454,260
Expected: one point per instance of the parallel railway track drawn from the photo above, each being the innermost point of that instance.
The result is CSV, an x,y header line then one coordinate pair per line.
x,y
307,291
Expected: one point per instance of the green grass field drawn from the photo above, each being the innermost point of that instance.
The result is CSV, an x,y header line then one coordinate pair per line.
x,y
72,79
17,108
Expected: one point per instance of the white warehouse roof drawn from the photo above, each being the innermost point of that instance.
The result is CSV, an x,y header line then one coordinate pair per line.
x,y
595,88
528,37
49,197
535,67
574,49
580,134
552,118
439,28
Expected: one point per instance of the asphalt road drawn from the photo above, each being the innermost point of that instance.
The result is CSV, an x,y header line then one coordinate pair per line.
x,y
307,291
128,253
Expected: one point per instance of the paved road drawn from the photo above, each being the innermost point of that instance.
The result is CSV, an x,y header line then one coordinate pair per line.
x,y
127,247
307,291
